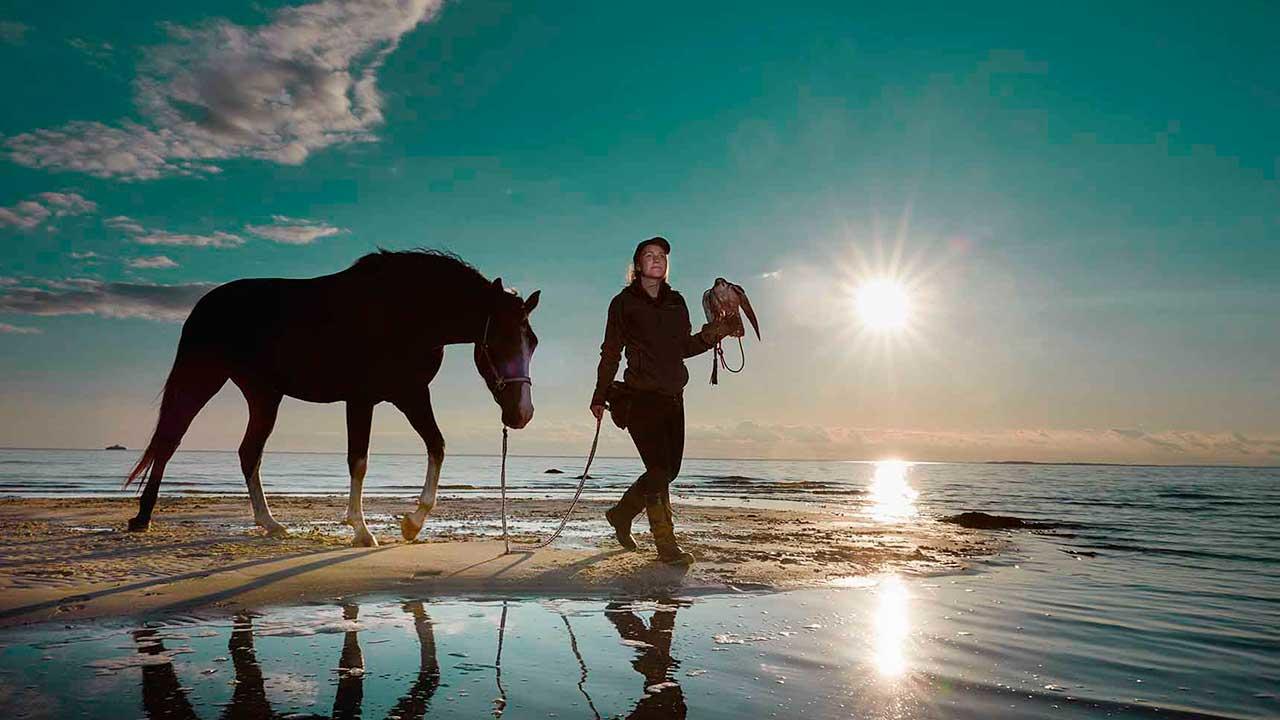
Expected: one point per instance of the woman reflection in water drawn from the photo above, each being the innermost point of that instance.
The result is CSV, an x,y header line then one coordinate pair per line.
x,y
164,698
663,697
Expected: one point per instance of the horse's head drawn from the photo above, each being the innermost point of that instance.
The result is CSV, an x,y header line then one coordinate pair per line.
x,y
503,354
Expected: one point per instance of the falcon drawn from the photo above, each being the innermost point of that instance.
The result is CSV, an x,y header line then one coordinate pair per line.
x,y
722,302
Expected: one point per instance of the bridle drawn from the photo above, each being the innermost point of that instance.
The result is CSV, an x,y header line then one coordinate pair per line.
x,y
500,381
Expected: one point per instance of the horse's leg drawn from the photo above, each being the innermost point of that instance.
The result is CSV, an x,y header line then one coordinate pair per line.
x,y
418,410
192,382
263,406
350,695
359,421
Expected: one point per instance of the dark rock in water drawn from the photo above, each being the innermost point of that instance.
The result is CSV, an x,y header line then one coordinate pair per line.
x,y
115,447
553,471
983,521
584,477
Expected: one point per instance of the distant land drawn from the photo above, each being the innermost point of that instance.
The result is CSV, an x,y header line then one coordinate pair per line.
x,y
115,447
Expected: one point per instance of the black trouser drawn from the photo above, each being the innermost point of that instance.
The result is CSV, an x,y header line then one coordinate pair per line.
x,y
656,425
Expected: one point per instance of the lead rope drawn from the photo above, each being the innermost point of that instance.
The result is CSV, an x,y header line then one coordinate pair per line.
x,y
500,702
582,481
505,541
718,360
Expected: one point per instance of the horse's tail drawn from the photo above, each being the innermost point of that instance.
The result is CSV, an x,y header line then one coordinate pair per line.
x,y
195,378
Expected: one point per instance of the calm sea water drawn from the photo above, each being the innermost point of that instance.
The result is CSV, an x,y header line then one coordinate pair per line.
x,y
1158,595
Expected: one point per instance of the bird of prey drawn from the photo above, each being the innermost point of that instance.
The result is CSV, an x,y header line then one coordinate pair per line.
x,y
722,302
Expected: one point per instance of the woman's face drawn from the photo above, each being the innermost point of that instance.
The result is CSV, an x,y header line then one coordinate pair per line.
x,y
653,262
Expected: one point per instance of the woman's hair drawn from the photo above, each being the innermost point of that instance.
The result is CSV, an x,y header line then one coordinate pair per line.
x,y
633,271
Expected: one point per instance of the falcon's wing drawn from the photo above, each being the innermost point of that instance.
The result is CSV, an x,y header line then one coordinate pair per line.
x,y
746,308
709,304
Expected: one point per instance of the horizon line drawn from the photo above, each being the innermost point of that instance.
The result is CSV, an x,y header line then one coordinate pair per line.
x,y
741,459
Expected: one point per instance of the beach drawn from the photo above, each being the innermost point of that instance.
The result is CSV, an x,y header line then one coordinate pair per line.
x,y
828,589
70,559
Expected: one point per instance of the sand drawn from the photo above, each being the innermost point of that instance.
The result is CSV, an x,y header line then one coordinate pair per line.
x,y
71,560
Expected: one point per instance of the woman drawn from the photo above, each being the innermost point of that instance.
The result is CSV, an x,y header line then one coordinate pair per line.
x,y
651,322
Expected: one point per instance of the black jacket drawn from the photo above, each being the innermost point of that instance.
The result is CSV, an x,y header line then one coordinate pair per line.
x,y
656,335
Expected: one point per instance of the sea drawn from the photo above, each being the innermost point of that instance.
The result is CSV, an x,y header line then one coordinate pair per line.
x,y
1148,592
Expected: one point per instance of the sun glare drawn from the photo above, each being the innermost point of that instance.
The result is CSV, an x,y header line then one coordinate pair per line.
x,y
892,628
882,305
892,498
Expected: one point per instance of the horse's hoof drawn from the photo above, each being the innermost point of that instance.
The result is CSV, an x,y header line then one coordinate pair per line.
x,y
409,529
139,525
277,531
364,539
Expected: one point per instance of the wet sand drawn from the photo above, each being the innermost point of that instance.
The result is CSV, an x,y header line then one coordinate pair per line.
x,y
71,560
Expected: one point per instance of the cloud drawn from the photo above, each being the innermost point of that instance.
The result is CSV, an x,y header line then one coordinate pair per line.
x,y
1118,445
159,262
292,231
278,92
216,240
124,223
99,53
143,236
80,296
6,328
35,210
14,33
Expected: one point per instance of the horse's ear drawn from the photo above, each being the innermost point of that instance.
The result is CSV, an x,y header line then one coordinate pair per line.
x,y
532,302
497,284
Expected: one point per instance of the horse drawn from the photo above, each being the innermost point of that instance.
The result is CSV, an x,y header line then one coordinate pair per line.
x,y
373,332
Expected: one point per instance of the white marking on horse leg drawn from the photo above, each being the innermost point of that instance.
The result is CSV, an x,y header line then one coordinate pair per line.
x,y
412,522
355,506
355,499
261,512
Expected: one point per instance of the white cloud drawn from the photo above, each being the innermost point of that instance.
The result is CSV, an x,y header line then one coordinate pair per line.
x,y
292,231
6,328
159,262
34,211
80,296
124,223
279,92
216,240
99,53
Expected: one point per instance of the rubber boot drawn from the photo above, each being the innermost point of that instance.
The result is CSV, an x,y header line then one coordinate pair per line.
x,y
621,515
664,531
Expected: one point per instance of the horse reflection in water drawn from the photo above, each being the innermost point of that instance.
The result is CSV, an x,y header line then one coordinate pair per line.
x,y
663,697
164,698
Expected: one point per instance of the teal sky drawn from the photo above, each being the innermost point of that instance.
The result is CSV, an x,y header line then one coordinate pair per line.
x,y
1083,204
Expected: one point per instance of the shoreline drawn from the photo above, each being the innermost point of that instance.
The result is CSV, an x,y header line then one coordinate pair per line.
x,y
70,560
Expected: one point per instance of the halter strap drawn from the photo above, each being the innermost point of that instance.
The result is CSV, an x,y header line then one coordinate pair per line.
x,y
500,380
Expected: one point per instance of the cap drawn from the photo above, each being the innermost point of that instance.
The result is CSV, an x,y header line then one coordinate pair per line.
x,y
656,240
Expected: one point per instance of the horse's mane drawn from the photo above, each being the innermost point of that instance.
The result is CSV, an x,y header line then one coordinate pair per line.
x,y
417,260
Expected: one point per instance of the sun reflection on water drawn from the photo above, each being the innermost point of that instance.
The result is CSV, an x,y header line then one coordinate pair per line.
x,y
892,626
892,498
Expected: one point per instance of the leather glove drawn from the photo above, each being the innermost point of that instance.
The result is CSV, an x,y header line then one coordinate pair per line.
x,y
714,331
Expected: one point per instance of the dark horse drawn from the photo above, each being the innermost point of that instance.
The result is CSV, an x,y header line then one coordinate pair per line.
x,y
373,332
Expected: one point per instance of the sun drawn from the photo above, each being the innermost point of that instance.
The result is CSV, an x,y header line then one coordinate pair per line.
x,y
882,304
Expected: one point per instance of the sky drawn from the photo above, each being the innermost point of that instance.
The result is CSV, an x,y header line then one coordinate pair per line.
x,y
1082,204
